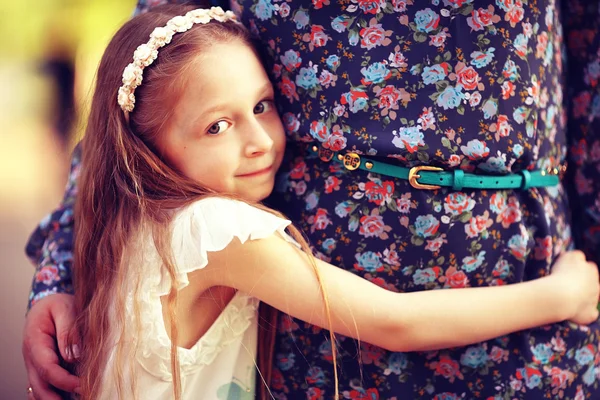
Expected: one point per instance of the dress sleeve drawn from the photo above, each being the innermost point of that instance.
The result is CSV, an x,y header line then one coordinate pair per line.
x,y
582,33
209,225
50,246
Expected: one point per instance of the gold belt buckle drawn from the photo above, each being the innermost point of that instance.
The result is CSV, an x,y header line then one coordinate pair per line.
x,y
351,161
413,175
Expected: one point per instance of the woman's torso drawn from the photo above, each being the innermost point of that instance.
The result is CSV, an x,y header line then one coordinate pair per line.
x,y
455,84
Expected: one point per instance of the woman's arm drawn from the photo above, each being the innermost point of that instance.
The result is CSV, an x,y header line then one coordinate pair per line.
x,y
50,313
281,275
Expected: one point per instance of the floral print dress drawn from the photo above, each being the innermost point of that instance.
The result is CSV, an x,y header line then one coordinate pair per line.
x,y
489,87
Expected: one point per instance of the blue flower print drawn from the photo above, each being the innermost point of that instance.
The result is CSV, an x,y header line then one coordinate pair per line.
x,y
353,38
397,362
532,377
369,261
353,224
66,217
593,69
458,203
301,19
450,98
409,138
315,376
517,245
424,276
291,60
62,256
291,123
426,225
433,74
307,78
329,244
480,59
375,73
584,356
312,200
343,209
548,54
520,45
505,5
474,357
44,293
457,3
501,269
333,61
426,20
325,349
509,71
320,131
446,396
475,149
530,129
471,263
490,108
520,114
543,353
589,377
285,362
264,10
356,99
595,111
494,165
339,24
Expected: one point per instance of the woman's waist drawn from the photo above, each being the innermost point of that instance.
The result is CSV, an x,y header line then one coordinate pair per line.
x,y
474,156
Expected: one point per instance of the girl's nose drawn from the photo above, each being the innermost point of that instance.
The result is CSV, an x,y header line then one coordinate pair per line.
x,y
259,140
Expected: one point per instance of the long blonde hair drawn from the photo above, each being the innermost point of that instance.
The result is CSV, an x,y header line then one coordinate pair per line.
x,y
125,184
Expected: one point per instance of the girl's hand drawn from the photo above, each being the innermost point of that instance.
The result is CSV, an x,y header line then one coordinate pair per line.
x,y
578,280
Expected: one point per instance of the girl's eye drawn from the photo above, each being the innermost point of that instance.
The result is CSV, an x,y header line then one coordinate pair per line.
x,y
263,107
218,127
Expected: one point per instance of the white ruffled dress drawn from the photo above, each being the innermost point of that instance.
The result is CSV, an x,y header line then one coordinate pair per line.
x,y
221,365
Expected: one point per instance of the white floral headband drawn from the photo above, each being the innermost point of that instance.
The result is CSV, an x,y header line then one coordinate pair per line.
x,y
146,53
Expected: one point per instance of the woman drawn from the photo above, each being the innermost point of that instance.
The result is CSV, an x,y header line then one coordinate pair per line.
x,y
456,85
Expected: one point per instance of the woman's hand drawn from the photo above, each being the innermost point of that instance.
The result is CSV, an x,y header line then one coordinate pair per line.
x,y
47,324
577,279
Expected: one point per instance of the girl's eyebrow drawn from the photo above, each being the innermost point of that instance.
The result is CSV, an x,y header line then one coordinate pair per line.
x,y
217,108
267,87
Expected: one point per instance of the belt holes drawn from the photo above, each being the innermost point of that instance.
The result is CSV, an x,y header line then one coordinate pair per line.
x,y
497,182
481,182
441,179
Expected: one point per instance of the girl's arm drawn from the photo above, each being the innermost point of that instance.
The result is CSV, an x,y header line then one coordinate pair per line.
x,y
281,275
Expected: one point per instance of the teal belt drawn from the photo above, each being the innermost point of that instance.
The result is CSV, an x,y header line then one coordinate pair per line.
x,y
431,178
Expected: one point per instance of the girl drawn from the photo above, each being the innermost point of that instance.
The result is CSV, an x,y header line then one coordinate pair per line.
x,y
174,250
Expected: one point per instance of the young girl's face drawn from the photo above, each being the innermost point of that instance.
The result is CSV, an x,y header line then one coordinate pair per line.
x,y
226,133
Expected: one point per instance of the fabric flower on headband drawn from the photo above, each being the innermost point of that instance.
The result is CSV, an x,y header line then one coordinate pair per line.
x,y
146,53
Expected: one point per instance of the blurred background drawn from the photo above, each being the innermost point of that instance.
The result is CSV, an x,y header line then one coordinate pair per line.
x,y
49,52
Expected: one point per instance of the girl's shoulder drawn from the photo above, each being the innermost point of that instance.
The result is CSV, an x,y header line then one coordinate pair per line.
x,y
210,224
221,214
